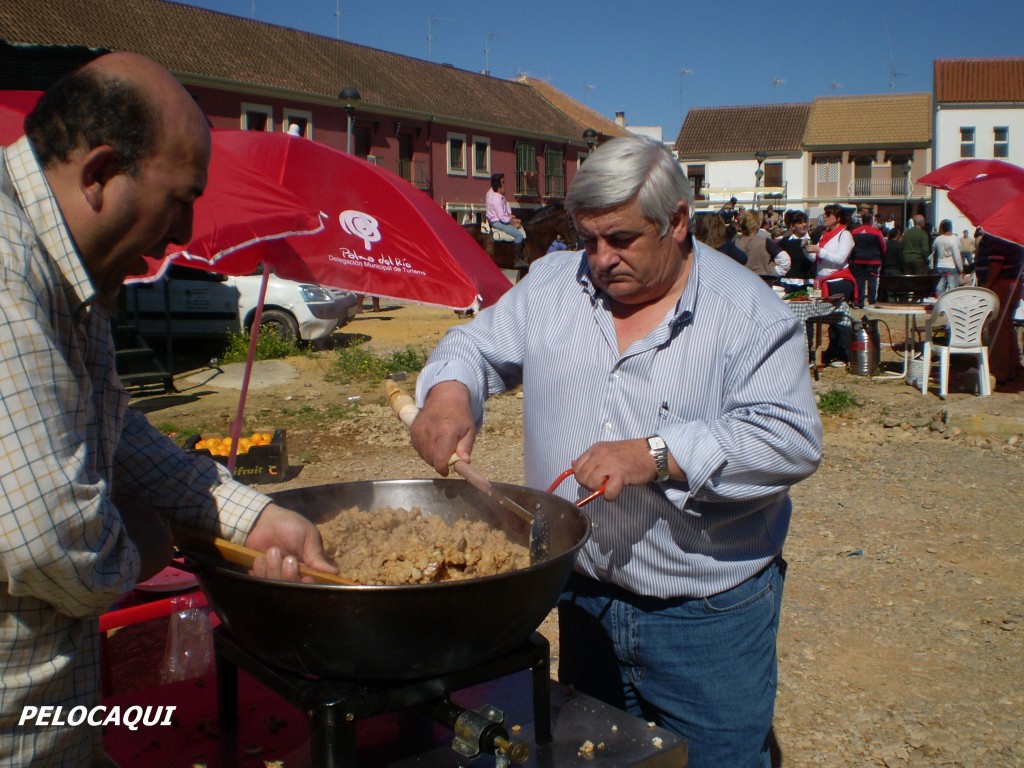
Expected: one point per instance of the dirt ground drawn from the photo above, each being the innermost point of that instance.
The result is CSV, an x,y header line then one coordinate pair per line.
x,y
903,622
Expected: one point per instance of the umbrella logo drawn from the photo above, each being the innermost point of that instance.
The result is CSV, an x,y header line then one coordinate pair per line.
x,y
362,225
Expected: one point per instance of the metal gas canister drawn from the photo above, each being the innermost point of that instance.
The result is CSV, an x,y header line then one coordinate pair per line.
x,y
864,347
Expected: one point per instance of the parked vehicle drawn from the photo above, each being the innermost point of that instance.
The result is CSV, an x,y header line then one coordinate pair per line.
x,y
192,303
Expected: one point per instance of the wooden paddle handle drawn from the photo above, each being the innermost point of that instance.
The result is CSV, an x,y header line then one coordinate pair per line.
x,y
405,409
238,554
403,405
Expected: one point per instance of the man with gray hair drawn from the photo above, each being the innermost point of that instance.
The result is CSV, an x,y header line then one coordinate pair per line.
x,y
670,374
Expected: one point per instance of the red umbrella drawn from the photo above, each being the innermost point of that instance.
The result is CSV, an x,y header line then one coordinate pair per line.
x,y
381,235
995,203
956,174
14,105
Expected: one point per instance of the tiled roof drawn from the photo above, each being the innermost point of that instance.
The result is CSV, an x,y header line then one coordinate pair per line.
x,y
768,127
580,113
841,122
979,80
198,44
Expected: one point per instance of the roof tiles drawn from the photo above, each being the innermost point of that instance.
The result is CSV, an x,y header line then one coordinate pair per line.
x,y
206,44
870,121
979,80
767,127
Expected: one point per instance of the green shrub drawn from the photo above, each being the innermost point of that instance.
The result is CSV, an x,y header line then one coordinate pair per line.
x,y
836,402
356,363
269,346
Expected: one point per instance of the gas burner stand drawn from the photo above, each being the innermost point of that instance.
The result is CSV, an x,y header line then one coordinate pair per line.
x,y
333,707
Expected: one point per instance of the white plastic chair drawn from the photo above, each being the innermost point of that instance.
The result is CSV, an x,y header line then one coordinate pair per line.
x,y
965,311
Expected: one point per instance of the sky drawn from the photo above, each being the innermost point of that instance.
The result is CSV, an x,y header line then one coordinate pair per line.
x,y
655,59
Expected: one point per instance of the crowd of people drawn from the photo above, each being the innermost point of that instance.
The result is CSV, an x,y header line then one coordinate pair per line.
x,y
847,252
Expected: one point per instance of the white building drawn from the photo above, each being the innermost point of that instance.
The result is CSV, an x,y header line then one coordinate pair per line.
x,y
979,113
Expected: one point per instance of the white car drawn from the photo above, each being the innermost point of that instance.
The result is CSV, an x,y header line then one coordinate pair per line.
x,y
193,303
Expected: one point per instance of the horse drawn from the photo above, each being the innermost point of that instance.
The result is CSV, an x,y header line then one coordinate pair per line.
x,y
541,229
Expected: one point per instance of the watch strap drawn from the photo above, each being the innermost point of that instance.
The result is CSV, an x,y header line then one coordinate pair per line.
x,y
659,452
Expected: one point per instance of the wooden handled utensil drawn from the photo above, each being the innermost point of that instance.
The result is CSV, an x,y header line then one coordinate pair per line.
x,y
189,539
405,409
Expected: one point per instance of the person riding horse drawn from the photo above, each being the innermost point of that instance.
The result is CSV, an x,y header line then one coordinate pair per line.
x,y
500,217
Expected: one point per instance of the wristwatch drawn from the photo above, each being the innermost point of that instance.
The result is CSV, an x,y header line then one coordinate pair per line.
x,y
659,452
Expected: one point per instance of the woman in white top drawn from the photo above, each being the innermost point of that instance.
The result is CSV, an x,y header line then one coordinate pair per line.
x,y
834,247
946,258
833,251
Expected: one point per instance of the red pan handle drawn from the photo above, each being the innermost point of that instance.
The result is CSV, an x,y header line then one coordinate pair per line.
x,y
586,499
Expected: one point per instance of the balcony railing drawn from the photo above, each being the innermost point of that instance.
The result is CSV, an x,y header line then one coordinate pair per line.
x,y
893,186
415,172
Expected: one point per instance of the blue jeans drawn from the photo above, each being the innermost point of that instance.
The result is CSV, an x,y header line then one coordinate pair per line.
x,y
704,668
514,231
948,280
867,282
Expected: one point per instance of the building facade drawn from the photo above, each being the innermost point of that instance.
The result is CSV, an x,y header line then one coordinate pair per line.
x,y
979,113
442,129
859,151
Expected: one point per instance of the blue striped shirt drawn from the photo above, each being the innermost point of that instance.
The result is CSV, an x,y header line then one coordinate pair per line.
x,y
723,379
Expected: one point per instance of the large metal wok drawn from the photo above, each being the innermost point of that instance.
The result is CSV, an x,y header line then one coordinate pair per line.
x,y
399,632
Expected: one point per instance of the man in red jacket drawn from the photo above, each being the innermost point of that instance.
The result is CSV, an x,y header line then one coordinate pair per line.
x,y
866,259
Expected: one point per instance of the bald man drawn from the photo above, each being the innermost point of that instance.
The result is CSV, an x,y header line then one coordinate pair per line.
x,y
113,160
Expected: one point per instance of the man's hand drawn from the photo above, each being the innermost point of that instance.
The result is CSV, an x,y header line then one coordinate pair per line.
x,y
287,538
444,426
621,463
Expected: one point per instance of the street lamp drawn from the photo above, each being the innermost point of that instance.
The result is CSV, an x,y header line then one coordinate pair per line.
x,y
351,97
759,173
590,136
907,165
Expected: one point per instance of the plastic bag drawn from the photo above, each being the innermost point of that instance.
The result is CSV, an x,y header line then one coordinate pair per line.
x,y
189,649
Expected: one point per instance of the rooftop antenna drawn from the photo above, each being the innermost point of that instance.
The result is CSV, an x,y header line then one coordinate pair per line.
x,y
430,34
487,50
893,74
683,72
337,19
